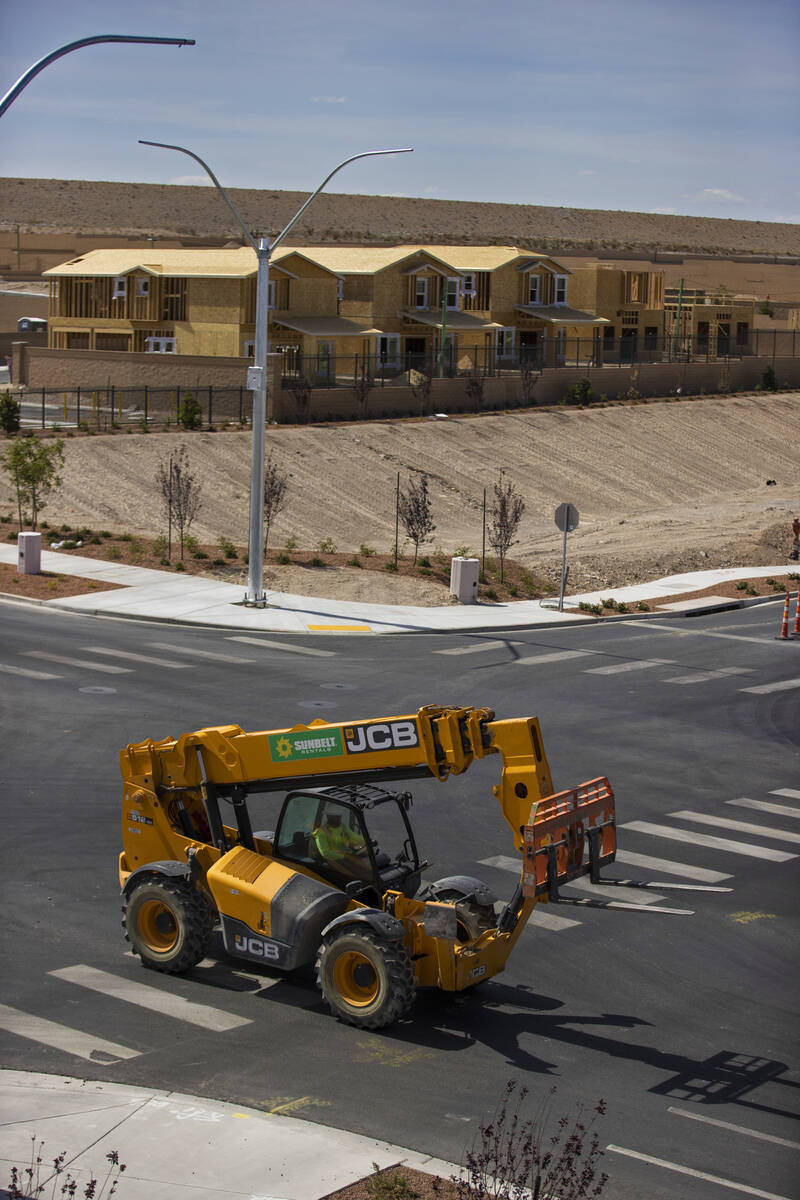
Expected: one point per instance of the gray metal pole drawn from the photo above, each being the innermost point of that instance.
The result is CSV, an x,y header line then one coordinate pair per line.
x,y
563,570
257,380
34,70
257,374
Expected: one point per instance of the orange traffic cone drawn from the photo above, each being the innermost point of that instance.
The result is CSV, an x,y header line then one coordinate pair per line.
x,y
796,630
784,635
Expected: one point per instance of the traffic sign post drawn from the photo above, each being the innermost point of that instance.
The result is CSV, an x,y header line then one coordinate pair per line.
x,y
566,518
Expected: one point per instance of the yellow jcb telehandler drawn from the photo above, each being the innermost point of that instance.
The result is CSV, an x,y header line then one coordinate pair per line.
x,y
336,879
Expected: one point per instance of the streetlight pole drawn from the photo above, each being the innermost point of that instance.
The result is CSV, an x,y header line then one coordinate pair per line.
x,y
257,374
34,70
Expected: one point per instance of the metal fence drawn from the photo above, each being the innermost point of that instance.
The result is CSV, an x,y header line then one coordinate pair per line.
x,y
631,349
99,409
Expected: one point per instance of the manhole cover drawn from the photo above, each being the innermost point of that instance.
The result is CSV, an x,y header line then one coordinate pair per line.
x,y
98,691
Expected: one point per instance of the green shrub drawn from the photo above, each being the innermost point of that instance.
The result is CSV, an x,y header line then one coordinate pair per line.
x,y
391,565
581,391
317,561
290,544
355,561
490,594
9,414
585,606
159,545
227,547
199,554
179,566
327,546
218,562
769,380
365,551
190,414
642,606
283,559
424,561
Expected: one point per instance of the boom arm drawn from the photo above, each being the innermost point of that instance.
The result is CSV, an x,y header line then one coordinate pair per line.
x,y
224,760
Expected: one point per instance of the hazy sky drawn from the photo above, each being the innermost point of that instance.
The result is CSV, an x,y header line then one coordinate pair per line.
x,y
687,106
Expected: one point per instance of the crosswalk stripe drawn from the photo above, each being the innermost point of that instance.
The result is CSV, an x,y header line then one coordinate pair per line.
x,y
543,918
780,810
143,658
503,862
7,669
667,867
61,1037
681,632
782,685
738,826
619,668
711,843
555,656
195,652
167,1003
790,793
83,663
613,893
269,645
704,676
476,647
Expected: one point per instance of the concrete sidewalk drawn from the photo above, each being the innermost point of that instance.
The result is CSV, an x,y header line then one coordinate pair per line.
x,y
193,600
177,1146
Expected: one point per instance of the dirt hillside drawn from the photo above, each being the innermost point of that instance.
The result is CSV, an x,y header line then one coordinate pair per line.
x,y
88,207
660,487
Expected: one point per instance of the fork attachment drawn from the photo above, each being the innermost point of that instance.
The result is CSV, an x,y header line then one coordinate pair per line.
x,y
571,833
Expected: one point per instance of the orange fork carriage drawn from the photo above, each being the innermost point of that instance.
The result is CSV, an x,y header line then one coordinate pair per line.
x,y
570,834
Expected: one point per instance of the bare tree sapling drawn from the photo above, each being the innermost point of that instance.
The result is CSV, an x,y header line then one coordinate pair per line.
x,y
504,518
415,512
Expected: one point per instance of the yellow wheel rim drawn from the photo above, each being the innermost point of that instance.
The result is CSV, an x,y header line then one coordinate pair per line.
x,y
355,979
157,926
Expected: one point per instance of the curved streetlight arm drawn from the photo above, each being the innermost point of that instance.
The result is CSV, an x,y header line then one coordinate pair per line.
x,y
327,179
34,70
214,180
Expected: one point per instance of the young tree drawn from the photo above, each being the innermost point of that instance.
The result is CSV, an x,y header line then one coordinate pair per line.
x,y
475,388
504,518
415,512
180,493
362,386
276,481
33,467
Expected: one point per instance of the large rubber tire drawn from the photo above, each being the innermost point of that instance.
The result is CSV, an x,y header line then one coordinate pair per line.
x,y
471,919
365,981
168,923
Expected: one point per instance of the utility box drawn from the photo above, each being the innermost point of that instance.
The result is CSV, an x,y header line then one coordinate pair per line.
x,y
29,553
464,580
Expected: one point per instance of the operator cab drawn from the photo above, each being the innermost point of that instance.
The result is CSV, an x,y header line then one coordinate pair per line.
x,y
358,838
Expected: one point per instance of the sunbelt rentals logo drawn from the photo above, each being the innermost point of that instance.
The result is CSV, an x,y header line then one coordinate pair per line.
x,y
311,743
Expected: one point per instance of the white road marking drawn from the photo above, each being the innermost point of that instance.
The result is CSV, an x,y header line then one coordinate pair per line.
x,y
265,644
619,668
7,669
680,632
631,906
61,1037
543,918
701,874
790,793
554,656
83,663
195,652
151,998
144,658
737,826
704,676
782,686
711,843
503,862
476,647
611,892
668,1166
754,1133
780,810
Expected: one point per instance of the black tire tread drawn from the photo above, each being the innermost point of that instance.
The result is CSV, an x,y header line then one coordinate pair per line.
x,y
401,978
199,922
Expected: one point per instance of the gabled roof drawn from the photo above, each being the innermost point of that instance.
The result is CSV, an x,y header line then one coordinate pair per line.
x,y
370,260
238,263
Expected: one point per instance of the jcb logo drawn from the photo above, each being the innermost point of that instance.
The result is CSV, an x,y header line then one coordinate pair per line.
x,y
256,947
382,735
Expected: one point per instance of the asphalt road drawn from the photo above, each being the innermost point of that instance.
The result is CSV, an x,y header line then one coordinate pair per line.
x,y
686,1023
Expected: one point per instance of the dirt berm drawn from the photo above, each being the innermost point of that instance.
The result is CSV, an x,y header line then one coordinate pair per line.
x,y
660,487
